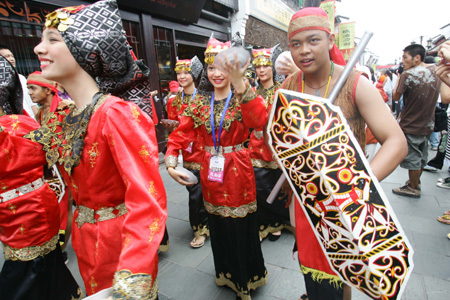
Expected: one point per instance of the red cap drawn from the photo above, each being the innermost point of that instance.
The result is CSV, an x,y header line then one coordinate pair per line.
x,y
174,86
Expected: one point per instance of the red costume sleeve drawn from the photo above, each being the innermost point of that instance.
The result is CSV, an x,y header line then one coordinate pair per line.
x,y
181,137
131,137
172,110
254,113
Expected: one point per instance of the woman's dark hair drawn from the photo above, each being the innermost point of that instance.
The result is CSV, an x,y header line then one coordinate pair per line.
x,y
389,74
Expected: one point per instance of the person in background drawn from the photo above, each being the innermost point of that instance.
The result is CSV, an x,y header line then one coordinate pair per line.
x,y
419,86
28,105
272,217
443,72
388,86
188,75
34,267
46,94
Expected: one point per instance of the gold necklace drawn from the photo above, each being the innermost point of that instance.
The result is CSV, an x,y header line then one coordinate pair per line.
x,y
317,91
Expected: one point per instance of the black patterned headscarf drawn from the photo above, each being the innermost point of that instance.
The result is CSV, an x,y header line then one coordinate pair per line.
x,y
11,94
95,36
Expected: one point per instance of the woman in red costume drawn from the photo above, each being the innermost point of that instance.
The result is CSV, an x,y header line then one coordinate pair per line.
x,y
188,74
273,217
222,119
34,268
106,149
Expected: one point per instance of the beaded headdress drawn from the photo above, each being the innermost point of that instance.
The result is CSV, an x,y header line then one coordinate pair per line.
x,y
193,66
11,94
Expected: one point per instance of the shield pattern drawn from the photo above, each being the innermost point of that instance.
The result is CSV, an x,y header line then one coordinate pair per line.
x,y
343,201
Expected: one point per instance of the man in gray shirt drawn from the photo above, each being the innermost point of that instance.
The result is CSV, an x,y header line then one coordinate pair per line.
x,y
419,86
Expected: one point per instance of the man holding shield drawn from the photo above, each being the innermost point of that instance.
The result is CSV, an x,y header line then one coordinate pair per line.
x,y
312,47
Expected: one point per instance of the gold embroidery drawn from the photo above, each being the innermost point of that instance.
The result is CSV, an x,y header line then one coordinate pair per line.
x,y
113,142
191,165
129,285
66,136
30,253
87,215
12,208
96,249
93,284
259,163
200,111
93,154
245,194
171,161
127,241
135,113
152,189
4,187
143,153
22,229
80,295
6,151
268,94
233,212
15,125
201,230
244,294
14,117
153,229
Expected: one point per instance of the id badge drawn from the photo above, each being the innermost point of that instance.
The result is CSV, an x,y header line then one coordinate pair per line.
x,y
189,148
216,168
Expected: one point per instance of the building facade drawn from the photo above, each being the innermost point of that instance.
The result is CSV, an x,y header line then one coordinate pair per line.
x,y
160,31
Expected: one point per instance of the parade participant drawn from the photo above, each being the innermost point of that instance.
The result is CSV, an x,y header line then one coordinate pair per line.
x,y
188,72
29,214
222,118
312,46
28,105
107,151
45,93
272,218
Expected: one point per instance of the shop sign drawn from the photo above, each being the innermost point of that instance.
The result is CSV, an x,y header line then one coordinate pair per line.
x,y
179,10
346,35
272,12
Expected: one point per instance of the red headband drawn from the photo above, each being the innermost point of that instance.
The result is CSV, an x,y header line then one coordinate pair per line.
x,y
37,79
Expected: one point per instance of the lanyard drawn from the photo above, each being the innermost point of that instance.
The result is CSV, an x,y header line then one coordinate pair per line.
x,y
221,120
193,95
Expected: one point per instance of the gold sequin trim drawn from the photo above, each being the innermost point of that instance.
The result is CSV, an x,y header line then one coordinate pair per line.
x,y
251,285
262,164
129,285
200,111
248,95
30,253
87,215
191,165
234,212
171,161
268,94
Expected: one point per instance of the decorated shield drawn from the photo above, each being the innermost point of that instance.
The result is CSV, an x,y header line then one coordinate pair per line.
x,y
343,201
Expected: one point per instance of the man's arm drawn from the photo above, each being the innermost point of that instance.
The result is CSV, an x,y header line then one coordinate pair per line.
x,y
395,94
383,126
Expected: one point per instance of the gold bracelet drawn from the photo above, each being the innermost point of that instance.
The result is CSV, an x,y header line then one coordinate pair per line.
x,y
171,161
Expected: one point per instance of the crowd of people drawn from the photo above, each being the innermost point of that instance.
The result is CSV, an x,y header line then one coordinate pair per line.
x,y
70,135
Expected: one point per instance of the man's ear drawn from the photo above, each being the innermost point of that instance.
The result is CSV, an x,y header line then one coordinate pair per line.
x,y
331,39
417,60
48,91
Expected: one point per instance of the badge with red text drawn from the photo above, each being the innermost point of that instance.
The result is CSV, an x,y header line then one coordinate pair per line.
x,y
216,168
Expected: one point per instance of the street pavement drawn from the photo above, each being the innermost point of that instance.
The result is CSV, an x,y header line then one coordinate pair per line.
x,y
188,274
